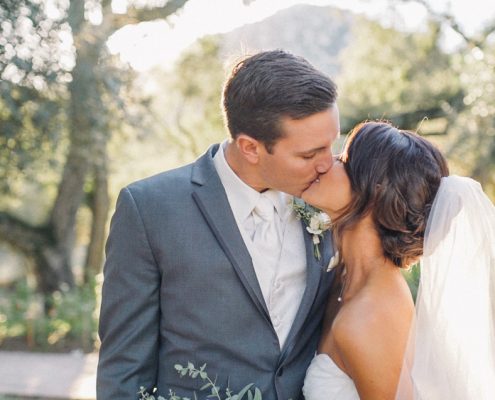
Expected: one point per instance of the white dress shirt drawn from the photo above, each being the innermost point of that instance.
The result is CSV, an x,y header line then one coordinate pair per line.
x,y
282,284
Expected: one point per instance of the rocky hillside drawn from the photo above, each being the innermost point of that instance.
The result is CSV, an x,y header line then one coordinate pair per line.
x,y
316,33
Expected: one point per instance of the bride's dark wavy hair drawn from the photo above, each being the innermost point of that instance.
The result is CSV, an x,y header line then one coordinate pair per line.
x,y
394,176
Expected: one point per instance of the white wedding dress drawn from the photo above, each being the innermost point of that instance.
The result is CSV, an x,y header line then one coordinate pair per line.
x,y
326,381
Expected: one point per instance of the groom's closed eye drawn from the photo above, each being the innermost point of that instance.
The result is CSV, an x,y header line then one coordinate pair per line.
x,y
312,153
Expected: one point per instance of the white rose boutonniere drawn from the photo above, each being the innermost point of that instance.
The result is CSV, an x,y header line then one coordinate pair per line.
x,y
317,222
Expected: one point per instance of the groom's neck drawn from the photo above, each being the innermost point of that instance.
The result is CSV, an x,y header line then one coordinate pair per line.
x,y
246,171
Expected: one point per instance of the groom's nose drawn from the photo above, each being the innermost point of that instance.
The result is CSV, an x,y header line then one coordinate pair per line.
x,y
324,163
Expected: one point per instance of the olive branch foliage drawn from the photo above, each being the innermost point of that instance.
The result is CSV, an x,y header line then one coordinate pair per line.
x,y
248,392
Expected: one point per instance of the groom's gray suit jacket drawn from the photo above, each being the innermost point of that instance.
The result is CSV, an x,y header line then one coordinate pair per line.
x,y
179,286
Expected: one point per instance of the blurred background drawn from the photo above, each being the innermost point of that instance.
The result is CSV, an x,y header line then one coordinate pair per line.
x,y
95,94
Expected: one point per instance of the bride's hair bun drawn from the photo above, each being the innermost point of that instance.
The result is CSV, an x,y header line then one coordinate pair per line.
x,y
394,176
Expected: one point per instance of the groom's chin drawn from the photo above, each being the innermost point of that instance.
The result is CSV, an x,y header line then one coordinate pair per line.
x,y
306,195
301,190
296,193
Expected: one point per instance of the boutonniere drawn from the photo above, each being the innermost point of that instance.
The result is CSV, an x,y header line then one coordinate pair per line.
x,y
317,222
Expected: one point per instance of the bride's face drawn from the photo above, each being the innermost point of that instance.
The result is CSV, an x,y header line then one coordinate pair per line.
x,y
332,192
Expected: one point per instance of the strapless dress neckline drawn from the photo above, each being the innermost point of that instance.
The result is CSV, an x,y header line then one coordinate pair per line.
x,y
325,381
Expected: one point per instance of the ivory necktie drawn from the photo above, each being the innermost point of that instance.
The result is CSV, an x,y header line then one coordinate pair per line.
x,y
266,233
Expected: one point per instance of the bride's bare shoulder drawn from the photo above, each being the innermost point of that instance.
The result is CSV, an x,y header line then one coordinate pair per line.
x,y
376,311
371,333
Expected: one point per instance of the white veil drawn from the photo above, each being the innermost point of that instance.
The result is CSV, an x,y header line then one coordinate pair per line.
x,y
451,351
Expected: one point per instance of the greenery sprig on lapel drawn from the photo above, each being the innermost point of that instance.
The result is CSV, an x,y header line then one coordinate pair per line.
x,y
317,222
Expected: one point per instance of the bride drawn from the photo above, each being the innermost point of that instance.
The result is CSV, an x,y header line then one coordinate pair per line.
x,y
394,205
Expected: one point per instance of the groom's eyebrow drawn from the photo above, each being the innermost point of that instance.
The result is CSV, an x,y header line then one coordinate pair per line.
x,y
315,150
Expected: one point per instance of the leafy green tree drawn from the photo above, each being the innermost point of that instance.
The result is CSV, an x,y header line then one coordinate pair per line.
x,y
398,76
471,146
410,80
193,89
50,107
30,90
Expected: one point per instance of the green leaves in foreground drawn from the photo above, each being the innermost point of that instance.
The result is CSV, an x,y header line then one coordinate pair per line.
x,y
248,392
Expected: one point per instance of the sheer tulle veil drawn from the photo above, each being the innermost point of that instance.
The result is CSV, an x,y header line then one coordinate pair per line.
x,y
451,351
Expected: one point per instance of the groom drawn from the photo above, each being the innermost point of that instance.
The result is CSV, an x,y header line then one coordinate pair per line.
x,y
209,264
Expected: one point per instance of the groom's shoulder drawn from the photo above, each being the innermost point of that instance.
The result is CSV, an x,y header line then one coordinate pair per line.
x,y
177,179
172,176
167,182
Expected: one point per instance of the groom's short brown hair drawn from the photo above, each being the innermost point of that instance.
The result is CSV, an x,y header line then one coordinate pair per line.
x,y
270,85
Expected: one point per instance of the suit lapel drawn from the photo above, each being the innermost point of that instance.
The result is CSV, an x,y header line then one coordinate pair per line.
x,y
209,194
315,269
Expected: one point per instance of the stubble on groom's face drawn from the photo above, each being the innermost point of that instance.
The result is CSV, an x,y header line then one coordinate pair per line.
x,y
302,153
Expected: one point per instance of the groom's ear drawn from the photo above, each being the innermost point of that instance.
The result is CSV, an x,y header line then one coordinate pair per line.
x,y
249,148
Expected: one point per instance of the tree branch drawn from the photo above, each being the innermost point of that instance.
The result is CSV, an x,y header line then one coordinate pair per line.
x,y
451,21
135,15
20,235
488,30
76,16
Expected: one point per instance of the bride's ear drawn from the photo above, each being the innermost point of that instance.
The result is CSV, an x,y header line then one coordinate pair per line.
x,y
249,148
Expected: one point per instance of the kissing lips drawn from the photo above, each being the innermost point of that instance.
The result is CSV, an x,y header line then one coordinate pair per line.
x,y
315,180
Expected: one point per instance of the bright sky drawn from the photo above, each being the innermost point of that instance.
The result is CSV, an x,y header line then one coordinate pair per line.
x,y
158,43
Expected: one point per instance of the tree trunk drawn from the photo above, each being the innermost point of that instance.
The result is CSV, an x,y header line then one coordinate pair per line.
x,y
37,244
84,109
100,205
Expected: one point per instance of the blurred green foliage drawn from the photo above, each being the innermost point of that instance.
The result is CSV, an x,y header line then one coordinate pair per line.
x,y
409,79
71,322
393,75
63,96
412,276
31,92
192,95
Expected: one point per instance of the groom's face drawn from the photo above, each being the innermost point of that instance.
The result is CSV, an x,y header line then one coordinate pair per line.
x,y
302,154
